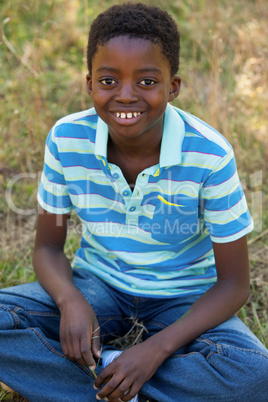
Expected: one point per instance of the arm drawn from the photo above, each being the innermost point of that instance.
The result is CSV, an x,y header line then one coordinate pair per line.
x,y
218,304
54,272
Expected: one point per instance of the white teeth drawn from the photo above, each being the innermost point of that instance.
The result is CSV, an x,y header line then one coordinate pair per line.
x,y
127,115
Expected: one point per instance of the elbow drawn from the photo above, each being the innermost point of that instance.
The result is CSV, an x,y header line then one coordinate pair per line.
x,y
241,295
236,292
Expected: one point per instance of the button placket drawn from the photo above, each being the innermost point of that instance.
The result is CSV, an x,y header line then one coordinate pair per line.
x,y
132,216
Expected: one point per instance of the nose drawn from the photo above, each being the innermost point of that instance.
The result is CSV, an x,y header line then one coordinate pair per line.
x,y
127,93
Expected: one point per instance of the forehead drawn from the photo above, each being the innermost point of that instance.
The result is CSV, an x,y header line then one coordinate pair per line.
x,y
125,51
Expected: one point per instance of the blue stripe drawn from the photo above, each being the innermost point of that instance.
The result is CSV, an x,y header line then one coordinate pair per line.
x,y
138,243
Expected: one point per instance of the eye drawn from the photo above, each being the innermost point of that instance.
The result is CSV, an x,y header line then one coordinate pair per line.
x,y
147,82
107,81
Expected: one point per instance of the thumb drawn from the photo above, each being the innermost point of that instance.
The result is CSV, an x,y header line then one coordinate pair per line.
x,y
95,340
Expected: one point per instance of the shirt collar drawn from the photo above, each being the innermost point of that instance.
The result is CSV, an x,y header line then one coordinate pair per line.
x,y
173,135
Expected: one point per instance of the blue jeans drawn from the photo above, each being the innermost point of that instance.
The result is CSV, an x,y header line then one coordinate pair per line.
x,y
228,363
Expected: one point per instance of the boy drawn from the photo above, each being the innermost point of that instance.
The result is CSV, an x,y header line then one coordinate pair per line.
x,y
164,240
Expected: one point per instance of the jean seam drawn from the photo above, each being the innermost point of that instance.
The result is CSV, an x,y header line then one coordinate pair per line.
x,y
13,314
43,313
61,355
245,350
206,340
221,352
209,355
158,323
185,355
221,346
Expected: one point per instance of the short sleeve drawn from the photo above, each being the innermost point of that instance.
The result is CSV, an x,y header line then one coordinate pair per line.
x,y
53,193
225,209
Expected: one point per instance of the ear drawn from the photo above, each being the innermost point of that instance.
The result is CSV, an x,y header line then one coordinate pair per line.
x,y
89,84
174,87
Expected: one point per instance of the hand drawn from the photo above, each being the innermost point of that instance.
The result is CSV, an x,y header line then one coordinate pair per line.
x,y
124,377
79,331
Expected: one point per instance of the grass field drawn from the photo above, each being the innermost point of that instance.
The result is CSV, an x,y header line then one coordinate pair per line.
x,y
224,72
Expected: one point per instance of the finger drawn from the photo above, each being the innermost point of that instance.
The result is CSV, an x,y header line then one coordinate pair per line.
x,y
95,341
63,340
105,382
104,376
76,352
121,391
85,348
66,346
110,387
130,393
63,346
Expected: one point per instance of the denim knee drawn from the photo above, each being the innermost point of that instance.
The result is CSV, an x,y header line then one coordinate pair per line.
x,y
8,319
246,370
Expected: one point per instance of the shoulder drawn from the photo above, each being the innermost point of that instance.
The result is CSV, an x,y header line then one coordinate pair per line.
x,y
76,123
74,118
73,133
201,137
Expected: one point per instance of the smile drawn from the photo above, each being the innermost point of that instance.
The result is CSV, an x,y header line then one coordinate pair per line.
x,y
128,115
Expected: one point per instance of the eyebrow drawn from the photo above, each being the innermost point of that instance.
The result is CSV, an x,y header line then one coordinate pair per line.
x,y
142,70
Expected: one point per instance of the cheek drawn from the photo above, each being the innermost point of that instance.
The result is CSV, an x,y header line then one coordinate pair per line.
x,y
99,100
158,101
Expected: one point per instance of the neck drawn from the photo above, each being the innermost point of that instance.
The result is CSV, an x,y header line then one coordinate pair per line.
x,y
134,150
145,145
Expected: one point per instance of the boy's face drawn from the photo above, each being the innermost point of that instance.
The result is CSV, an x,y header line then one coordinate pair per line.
x,y
130,86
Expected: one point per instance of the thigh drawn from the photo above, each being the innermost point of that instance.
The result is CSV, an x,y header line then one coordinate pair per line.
x,y
227,363
29,305
158,314
105,303
232,332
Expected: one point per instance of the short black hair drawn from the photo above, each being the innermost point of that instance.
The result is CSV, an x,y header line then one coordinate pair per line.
x,y
136,20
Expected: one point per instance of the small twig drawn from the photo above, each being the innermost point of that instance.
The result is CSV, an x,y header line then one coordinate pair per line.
x,y
18,57
260,235
138,336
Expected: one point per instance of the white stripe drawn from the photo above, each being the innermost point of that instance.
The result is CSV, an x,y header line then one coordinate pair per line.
x,y
236,236
53,188
75,145
221,190
202,160
52,162
230,215
75,116
205,131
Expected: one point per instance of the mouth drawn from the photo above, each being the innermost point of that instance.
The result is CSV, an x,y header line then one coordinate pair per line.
x,y
129,115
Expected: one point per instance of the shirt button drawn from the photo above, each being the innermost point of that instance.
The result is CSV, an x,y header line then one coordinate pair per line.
x,y
115,175
132,209
125,193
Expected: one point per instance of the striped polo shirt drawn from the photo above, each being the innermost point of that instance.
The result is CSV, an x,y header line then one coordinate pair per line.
x,y
154,241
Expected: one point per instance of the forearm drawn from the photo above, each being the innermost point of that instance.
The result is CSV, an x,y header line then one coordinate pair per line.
x,y
217,305
54,272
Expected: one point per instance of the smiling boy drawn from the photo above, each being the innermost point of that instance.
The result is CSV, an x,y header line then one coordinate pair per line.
x,y
164,240
130,85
